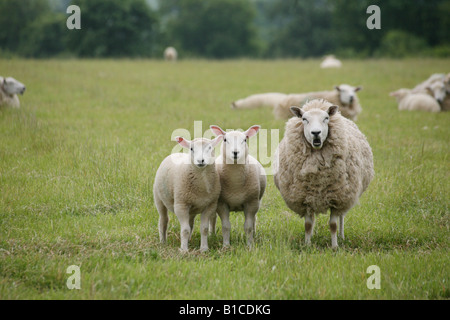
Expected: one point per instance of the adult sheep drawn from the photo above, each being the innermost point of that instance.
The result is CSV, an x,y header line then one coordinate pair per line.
x,y
269,99
323,162
343,96
407,100
170,54
9,89
331,61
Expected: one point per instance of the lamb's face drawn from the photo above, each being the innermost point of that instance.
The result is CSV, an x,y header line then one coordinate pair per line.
x,y
438,90
347,93
201,150
315,124
235,147
11,86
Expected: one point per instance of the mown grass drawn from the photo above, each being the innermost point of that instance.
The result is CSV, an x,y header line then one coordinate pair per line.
x,y
77,163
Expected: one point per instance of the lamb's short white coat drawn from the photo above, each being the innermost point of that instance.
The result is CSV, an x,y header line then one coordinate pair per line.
x,y
407,100
242,180
188,184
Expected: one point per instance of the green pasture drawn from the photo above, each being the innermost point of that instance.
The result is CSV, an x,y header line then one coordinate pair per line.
x,y
78,159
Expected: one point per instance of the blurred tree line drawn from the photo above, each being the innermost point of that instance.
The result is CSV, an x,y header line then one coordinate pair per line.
x,y
225,28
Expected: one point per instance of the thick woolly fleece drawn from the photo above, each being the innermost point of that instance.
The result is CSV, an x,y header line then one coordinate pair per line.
x,y
334,177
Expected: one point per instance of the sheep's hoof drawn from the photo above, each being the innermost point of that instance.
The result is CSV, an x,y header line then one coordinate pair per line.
x,y
204,249
183,251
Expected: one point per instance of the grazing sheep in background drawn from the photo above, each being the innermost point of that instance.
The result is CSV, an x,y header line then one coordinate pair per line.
x,y
9,89
421,87
242,180
323,162
331,61
343,96
170,54
270,99
415,101
188,184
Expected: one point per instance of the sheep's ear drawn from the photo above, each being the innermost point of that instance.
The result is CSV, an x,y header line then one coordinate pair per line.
x,y
297,111
358,88
183,142
216,141
332,110
253,130
337,88
217,130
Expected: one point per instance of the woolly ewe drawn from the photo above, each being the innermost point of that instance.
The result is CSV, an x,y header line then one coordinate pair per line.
x,y
188,184
323,162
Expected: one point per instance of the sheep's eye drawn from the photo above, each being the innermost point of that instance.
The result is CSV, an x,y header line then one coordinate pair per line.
x,y
192,149
326,119
304,120
224,140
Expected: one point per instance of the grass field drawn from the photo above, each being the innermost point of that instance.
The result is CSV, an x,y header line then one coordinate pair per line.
x,y
77,164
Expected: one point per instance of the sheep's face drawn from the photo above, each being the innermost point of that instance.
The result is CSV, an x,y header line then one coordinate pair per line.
x,y
201,150
347,94
315,124
235,147
438,90
11,86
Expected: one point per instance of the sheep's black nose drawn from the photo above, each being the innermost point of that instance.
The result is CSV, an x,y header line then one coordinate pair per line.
x,y
351,99
316,133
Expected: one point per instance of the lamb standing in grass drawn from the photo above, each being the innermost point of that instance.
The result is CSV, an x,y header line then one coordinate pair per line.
x,y
270,99
343,96
9,89
188,184
415,101
242,180
323,162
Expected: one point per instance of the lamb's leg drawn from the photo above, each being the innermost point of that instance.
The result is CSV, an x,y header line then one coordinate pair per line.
x,y
182,212
191,224
341,226
212,224
163,219
224,214
333,229
250,210
204,225
309,228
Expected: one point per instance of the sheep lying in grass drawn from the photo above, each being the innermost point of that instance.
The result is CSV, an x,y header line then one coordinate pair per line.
x,y
270,99
331,61
188,184
415,101
343,96
242,180
170,54
9,89
323,162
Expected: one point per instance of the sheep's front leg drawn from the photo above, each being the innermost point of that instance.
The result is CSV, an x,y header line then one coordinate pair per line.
x,y
182,213
204,225
163,220
224,214
309,228
250,211
333,229
212,224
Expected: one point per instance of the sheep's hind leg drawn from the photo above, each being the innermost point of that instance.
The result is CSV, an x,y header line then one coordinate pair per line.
x,y
341,226
163,220
309,228
333,228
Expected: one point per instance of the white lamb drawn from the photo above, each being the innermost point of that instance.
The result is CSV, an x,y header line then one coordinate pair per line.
x,y
270,99
9,89
415,101
331,61
323,162
242,179
170,54
188,184
343,96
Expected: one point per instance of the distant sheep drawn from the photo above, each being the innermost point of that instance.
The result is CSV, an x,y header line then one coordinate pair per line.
x,y
407,100
242,180
188,184
343,96
322,163
331,61
9,89
270,99
170,54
